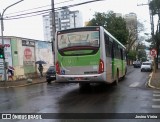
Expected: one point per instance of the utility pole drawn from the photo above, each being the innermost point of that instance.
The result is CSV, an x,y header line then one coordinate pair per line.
x,y
152,30
2,29
59,19
53,30
151,17
74,16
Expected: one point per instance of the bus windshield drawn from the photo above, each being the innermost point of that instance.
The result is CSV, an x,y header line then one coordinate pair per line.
x,y
75,39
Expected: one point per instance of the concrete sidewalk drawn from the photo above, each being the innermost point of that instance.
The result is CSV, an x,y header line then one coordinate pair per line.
x,y
20,83
154,81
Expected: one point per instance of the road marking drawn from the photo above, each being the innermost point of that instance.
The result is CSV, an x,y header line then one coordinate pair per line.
x,y
134,84
155,99
155,106
156,95
156,91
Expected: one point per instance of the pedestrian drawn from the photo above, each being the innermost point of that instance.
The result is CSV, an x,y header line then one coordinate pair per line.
x,y
10,74
40,68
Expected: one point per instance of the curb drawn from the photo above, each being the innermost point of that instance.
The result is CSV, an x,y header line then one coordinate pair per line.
x,y
27,84
149,82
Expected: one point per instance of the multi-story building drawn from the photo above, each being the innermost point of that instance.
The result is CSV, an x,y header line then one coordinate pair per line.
x,y
64,19
47,27
118,14
131,21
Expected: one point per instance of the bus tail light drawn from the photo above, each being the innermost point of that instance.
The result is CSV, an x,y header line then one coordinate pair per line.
x,y
101,66
57,68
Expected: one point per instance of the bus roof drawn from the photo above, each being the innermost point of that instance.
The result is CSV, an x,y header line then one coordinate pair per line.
x,y
78,28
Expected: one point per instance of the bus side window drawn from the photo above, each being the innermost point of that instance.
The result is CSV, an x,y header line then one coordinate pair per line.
x,y
121,52
107,48
116,50
124,55
112,49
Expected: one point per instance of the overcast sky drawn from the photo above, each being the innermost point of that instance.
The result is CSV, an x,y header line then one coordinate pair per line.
x,y
32,27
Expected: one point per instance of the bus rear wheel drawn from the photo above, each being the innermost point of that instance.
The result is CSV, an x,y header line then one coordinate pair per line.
x,y
125,73
115,83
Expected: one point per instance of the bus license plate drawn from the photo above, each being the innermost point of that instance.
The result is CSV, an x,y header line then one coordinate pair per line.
x,y
78,78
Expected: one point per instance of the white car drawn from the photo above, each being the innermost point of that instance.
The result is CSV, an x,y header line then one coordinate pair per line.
x,y
146,66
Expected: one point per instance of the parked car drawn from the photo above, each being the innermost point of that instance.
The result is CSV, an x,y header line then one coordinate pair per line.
x,y
137,64
146,66
51,74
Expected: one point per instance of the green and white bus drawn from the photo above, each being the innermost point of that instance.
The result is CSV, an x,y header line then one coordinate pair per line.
x,y
89,55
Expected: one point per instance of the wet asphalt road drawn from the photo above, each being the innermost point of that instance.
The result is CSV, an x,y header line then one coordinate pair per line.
x,y
130,96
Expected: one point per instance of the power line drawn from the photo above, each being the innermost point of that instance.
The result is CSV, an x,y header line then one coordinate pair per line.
x,y
46,10
28,13
28,16
151,16
83,3
38,7
28,9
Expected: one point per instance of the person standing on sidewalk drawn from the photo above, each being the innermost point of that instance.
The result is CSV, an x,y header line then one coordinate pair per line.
x,y
40,68
10,74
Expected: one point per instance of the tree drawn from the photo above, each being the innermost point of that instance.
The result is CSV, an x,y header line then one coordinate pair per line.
x,y
134,29
154,6
132,55
115,25
150,40
142,55
99,19
139,53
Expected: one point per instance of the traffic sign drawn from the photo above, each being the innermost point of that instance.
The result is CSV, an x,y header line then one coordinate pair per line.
x,y
153,52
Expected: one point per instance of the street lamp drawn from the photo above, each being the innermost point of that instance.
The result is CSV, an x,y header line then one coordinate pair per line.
x,y
2,29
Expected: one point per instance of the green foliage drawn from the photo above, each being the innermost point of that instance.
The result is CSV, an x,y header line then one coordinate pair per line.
x,y
132,55
98,20
115,25
154,6
142,55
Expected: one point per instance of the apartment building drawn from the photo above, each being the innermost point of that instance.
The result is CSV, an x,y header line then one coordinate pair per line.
x,y
64,19
131,21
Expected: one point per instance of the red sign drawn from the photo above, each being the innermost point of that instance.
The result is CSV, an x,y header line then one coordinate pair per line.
x,y
153,52
5,45
28,53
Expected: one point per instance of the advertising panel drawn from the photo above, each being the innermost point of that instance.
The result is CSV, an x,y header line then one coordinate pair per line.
x,y
8,55
44,53
28,58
